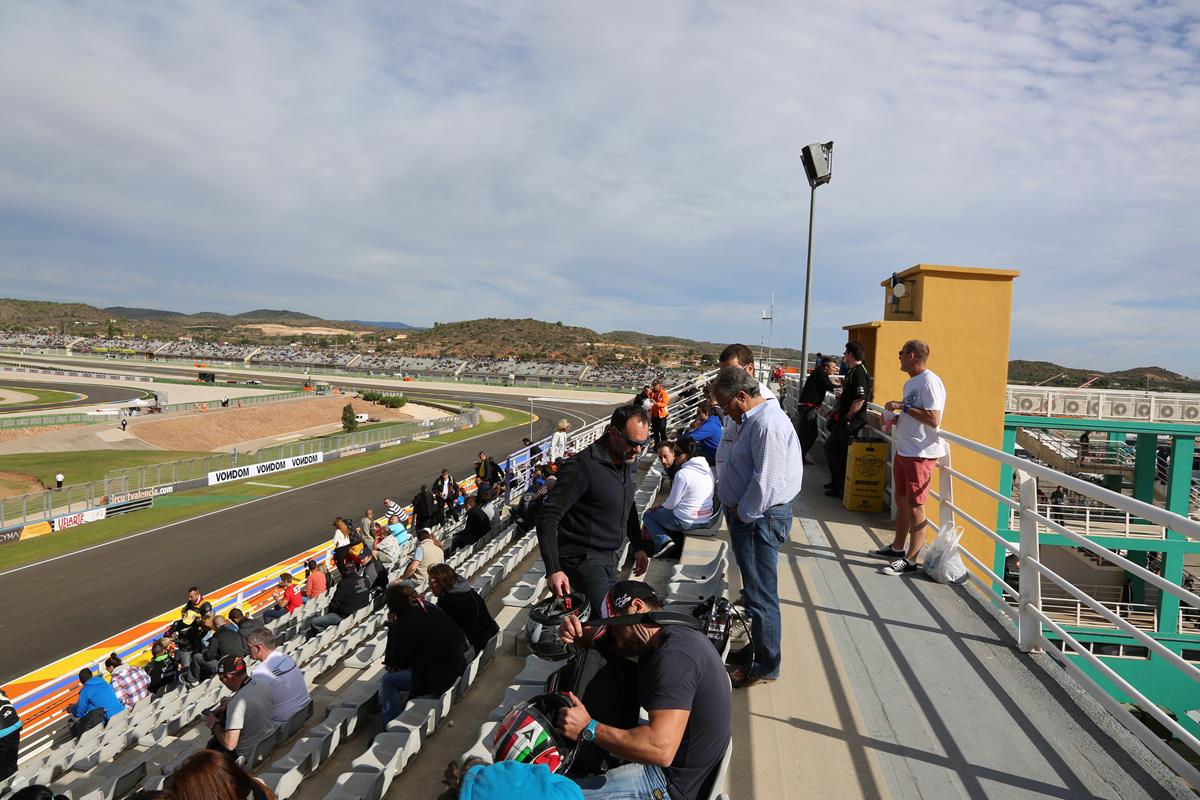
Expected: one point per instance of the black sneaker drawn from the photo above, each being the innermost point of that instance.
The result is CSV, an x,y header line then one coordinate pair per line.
x,y
899,567
887,552
662,551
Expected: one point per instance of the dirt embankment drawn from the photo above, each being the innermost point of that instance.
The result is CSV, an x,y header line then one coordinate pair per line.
x,y
219,428
11,434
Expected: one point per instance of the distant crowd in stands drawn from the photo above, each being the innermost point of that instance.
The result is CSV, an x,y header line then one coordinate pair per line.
x,y
488,369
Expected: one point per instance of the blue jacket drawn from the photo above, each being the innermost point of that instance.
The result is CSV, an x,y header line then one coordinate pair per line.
x,y
94,694
708,436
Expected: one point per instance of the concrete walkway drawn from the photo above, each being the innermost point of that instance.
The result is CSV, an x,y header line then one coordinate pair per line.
x,y
904,688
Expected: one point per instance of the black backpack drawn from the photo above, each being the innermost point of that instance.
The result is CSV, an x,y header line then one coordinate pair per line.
x,y
607,685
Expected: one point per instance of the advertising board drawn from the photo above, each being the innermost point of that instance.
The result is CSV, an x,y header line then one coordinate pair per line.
x,y
265,468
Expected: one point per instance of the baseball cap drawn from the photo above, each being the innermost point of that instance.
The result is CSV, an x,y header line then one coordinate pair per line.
x,y
231,665
622,594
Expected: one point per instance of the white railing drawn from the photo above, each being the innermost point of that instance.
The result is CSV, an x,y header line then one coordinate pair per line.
x,y
1033,615
681,412
1044,401
1093,521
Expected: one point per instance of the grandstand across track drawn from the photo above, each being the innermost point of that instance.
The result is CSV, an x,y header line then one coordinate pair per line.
x,y
56,607
90,394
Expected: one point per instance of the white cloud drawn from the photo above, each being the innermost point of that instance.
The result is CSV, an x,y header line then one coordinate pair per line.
x,y
618,166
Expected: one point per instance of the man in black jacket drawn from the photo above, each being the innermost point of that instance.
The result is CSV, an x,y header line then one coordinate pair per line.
x,y
422,508
812,396
188,630
162,669
583,520
352,594
225,641
479,524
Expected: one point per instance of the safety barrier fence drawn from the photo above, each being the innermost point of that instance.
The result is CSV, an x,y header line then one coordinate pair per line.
x,y
73,373
1035,617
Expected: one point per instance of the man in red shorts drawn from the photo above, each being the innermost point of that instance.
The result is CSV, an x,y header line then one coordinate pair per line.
x,y
917,448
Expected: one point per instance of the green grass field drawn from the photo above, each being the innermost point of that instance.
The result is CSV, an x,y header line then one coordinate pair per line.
x,y
177,507
44,396
87,465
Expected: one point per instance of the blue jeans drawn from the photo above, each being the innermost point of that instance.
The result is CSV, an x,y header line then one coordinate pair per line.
x,y
756,549
273,613
628,782
393,694
661,522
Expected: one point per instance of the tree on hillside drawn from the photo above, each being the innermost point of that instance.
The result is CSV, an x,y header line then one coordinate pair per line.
x,y
349,423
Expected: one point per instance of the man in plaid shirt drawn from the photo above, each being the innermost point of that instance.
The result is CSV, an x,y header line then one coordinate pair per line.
x,y
129,682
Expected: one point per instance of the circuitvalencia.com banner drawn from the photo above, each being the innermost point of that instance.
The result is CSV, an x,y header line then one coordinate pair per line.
x,y
265,468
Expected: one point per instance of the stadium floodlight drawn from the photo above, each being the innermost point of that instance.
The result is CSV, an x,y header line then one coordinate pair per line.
x,y
818,166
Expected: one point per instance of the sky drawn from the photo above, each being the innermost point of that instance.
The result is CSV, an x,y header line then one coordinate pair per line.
x,y
615,165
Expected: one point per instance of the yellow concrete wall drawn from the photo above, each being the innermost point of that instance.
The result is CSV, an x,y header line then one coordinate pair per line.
x,y
965,316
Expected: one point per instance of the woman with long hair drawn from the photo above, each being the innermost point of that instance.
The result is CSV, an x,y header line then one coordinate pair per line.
x,y
425,652
209,775
463,604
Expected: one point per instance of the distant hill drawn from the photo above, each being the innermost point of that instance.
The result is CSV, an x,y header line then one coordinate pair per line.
x,y
395,326
1145,378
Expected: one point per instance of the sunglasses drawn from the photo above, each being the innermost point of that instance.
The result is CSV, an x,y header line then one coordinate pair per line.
x,y
631,442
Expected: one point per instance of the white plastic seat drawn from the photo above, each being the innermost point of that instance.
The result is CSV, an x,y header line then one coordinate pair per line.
x,y
523,595
536,670
358,786
513,695
283,784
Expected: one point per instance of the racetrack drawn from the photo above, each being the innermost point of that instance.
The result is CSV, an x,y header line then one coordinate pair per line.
x,y
90,394
61,605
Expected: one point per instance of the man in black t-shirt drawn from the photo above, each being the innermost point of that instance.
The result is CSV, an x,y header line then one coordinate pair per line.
x,y
684,687
849,418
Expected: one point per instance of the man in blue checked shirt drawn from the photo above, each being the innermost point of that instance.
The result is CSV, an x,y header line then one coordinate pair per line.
x,y
759,480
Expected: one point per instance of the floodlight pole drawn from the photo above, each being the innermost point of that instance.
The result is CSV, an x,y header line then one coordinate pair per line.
x,y
531,419
812,204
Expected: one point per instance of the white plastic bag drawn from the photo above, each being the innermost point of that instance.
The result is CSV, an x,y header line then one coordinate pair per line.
x,y
942,561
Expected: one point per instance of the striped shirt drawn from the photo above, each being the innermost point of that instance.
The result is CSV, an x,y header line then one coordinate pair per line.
x,y
131,684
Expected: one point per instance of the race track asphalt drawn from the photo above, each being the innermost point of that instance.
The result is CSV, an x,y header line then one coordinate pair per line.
x,y
94,394
56,607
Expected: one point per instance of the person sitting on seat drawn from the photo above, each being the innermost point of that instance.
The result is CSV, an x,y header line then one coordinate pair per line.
x,y
428,552
387,549
10,736
97,703
316,579
707,433
188,630
130,683
690,503
426,651
163,669
224,641
241,722
478,525
392,508
463,604
244,623
286,598
279,671
351,595
477,779
375,574
208,775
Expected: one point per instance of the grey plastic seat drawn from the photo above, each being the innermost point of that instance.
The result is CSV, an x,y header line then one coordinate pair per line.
x,y
536,671
358,786
283,784
513,695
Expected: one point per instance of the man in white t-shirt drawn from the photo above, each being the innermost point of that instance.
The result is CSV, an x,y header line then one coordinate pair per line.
x,y
917,447
280,672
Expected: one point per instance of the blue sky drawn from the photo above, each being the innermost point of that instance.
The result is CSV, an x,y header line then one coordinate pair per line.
x,y
615,165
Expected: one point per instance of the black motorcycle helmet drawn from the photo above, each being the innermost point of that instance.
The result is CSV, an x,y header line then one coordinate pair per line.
x,y
541,631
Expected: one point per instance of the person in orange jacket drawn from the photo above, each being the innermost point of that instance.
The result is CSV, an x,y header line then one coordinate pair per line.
x,y
658,412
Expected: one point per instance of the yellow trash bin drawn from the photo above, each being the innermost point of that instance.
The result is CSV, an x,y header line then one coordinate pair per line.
x,y
866,471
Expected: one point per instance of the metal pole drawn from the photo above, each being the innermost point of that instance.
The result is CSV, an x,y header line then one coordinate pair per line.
x,y
531,419
812,203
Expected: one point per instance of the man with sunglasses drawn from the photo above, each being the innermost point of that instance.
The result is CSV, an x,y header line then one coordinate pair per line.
x,y
583,520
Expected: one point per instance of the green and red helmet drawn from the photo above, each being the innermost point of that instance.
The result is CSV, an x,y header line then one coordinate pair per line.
x,y
528,734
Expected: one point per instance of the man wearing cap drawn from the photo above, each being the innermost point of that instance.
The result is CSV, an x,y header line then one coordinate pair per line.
x,y
242,721
585,519
682,684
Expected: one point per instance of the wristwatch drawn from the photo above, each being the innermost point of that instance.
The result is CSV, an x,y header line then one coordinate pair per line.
x,y
588,734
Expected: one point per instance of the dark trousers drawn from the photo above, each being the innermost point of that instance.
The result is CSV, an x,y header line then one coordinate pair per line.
x,y
806,427
592,572
92,719
835,454
658,427
9,746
